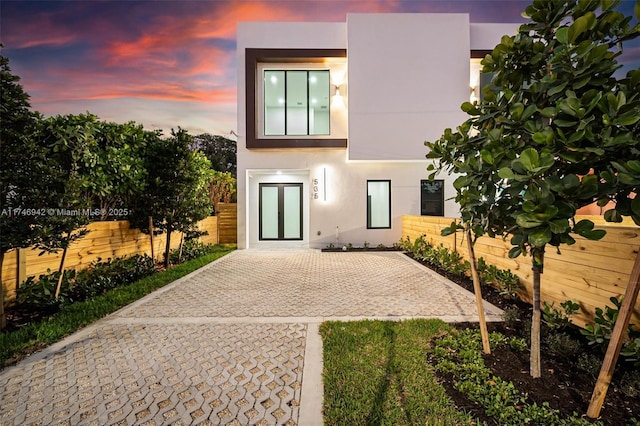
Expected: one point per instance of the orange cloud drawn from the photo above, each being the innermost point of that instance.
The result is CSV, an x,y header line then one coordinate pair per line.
x,y
172,93
42,30
171,34
74,85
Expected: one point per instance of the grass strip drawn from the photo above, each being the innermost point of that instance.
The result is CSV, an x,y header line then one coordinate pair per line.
x,y
19,343
376,373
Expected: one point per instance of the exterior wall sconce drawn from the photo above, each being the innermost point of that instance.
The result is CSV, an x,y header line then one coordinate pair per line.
x,y
337,98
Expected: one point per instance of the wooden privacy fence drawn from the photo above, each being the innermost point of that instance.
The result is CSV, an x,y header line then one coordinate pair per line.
x,y
227,223
589,272
104,240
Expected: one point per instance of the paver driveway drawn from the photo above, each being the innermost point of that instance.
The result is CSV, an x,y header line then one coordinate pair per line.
x,y
228,344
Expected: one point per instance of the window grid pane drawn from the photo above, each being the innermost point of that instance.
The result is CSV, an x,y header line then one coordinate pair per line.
x,y
269,213
292,208
319,101
274,102
297,102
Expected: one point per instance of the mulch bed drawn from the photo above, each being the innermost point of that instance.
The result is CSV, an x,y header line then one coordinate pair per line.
x,y
562,385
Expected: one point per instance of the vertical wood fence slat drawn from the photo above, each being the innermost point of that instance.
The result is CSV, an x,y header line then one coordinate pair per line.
x,y
228,223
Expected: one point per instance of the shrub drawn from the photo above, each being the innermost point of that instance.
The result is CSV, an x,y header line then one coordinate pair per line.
x,y
98,278
599,333
421,250
557,319
631,351
590,364
630,383
505,281
518,344
563,345
40,294
511,317
191,249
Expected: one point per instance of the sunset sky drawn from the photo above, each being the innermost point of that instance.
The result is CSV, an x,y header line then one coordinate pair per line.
x,y
172,63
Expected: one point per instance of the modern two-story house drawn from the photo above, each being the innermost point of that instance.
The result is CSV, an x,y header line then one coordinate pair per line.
x,y
332,119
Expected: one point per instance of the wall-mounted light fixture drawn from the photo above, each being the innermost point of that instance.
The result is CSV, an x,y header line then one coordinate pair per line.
x,y
337,101
337,80
324,183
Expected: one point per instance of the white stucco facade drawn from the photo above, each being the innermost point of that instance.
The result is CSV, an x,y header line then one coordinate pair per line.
x,y
401,82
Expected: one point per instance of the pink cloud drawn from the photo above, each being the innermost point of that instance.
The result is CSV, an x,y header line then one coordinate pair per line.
x,y
41,30
74,85
171,93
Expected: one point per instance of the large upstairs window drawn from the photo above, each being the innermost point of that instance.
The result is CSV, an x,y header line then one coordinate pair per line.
x,y
296,102
294,98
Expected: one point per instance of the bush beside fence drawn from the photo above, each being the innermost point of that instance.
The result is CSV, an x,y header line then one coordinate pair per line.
x,y
104,240
590,272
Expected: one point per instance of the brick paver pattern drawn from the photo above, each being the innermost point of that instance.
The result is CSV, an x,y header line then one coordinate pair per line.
x,y
180,357
312,284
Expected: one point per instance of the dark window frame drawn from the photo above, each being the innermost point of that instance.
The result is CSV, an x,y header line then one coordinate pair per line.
x,y
286,71
441,199
369,205
280,187
480,54
254,57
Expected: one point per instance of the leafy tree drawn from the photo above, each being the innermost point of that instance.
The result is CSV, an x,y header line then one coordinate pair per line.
x,y
117,169
19,170
556,131
69,142
70,145
176,194
220,151
222,188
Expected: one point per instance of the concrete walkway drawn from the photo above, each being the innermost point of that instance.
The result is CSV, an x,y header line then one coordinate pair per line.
x,y
235,342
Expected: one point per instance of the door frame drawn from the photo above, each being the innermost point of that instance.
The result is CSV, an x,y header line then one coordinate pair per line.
x,y
280,186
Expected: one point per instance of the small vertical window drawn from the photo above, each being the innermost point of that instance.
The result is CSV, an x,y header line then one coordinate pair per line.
x,y
432,197
296,102
378,204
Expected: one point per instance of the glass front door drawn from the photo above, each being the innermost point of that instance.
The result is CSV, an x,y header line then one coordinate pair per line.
x,y
280,211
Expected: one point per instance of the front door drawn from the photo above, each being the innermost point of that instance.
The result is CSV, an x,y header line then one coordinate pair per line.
x,y
280,211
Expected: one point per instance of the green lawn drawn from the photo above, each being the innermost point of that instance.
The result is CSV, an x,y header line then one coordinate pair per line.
x,y
375,373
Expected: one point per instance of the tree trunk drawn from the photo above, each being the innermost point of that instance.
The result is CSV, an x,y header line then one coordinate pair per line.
x,y
478,293
61,268
153,255
538,264
3,316
167,248
180,249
